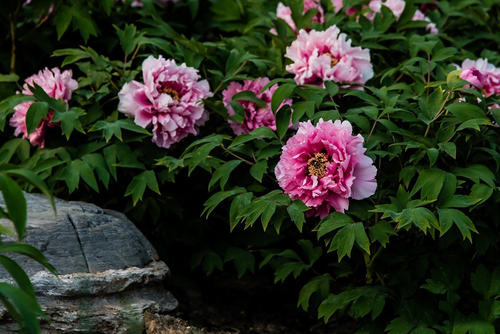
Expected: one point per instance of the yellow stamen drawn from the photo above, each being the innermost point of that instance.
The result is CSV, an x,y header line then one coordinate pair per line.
x,y
172,92
317,165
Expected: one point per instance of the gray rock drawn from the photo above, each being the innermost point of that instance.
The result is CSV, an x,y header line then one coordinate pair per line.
x,y
109,273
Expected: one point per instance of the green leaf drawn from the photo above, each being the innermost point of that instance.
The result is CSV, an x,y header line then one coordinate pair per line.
x,y
138,185
35,114
381,232
237,205
343,241
282,92
243,260
15,203
69,120
258,170
247,95
29,251
361,238
429,182
222,173
128,38
450,148
296,212
332,222
111,129
262,132
476,173
214,200
300,109
422,218
447,217
17,274
62,20
319,284
283,120
26,305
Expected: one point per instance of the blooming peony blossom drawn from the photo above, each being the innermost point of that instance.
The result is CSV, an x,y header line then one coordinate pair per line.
x,y
169,100
396,6
324,166
420,16
57,85
320,56
481,74
255,116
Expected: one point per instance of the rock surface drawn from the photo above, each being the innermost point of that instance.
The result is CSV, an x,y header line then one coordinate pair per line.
x,y
109,273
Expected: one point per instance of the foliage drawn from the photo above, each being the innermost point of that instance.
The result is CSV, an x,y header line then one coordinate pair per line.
x,y
19,298
420,256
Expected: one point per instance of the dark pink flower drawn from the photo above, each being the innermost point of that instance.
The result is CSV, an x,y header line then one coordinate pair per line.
x,y
170,100
57,85
320,56
255,116
481,74
324,166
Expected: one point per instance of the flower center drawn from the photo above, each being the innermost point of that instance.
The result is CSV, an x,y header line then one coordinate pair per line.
x,y
334,61
317,165
172,92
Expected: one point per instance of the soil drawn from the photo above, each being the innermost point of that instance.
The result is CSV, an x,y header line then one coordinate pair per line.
x,y
225,305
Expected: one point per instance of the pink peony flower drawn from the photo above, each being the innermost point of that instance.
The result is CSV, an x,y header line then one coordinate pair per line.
x,y
481,74
57,85
255,116
324,166
169,100
396,6
320,56
420,16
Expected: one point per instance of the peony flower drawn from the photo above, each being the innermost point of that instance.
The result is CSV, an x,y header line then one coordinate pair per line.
x,y
169,100
58,86
320,56
396,6
324,166
255,116
420,16
481,74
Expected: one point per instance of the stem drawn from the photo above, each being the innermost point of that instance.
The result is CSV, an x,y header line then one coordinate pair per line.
x,y
371,130
369,264
439,113
235,72
237,156
13,43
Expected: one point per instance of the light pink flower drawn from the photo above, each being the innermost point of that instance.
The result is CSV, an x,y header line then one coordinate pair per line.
x,y
324,166
255,116
396,6
420,16
170,100
320,56
481,74
337,5
57,85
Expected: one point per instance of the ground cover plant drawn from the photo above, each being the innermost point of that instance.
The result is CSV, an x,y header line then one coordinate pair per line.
x,y
348,146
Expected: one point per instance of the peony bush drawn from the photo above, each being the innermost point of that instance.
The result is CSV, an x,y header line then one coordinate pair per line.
x,y
350,147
